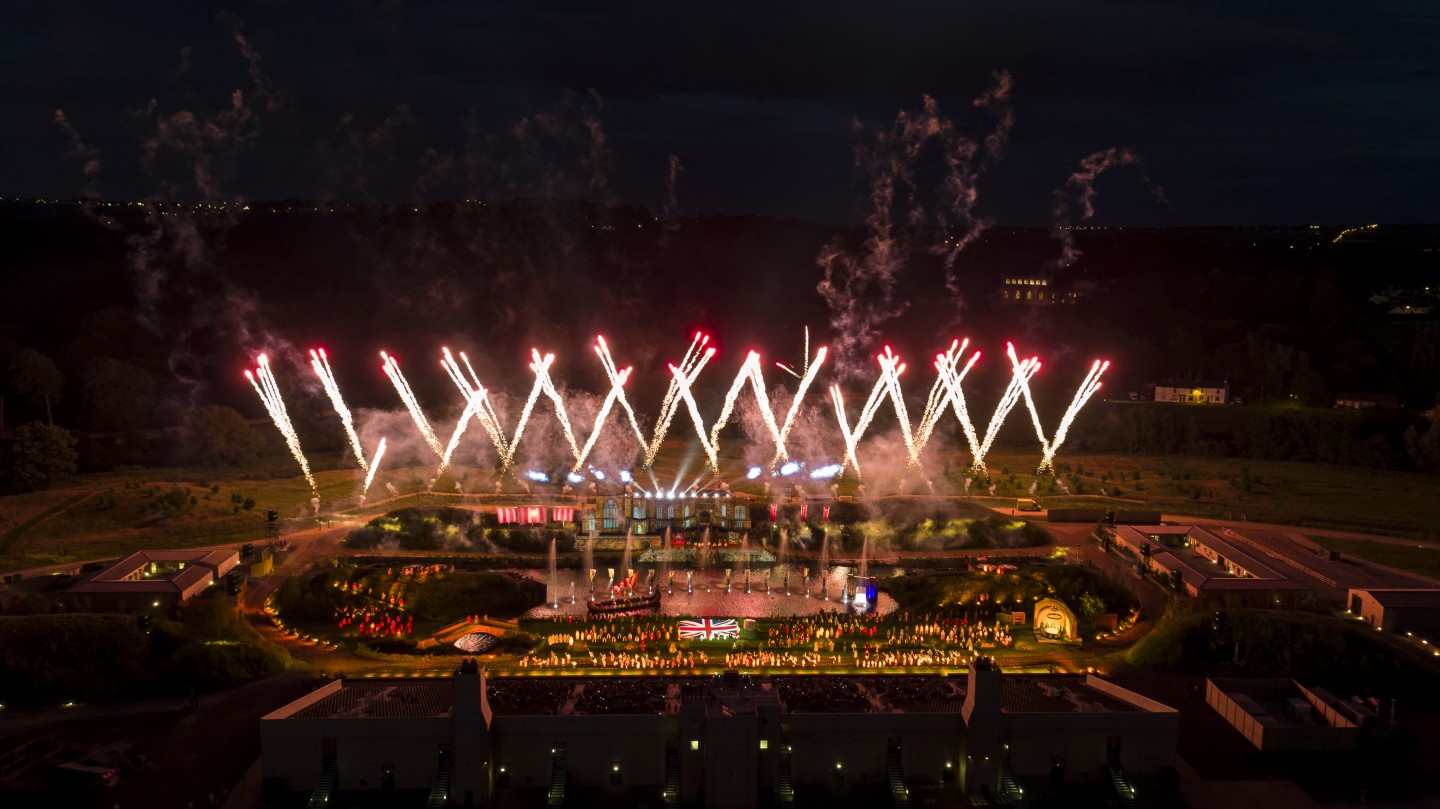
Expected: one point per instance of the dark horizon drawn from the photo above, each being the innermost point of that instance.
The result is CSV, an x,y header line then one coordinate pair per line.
x,y
1304,113
618,205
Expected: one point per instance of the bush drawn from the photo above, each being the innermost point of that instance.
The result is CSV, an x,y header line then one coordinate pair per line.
x,y
217,665
924,591
48,658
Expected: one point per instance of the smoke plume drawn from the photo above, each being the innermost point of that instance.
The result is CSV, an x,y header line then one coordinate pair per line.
x,y
1079,192
920,176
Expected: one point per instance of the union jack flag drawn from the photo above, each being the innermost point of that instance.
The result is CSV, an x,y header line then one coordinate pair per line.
x,y
710,629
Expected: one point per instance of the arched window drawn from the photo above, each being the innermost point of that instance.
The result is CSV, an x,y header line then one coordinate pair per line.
x,y
740,512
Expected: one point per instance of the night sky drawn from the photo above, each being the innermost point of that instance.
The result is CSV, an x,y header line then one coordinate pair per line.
x,y
1245,113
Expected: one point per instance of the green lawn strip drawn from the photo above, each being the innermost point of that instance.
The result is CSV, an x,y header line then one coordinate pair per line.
x,y
15,533
1349,498
1420,559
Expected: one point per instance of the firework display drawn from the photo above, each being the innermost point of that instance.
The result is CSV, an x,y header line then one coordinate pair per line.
x,y
321,364
946,395
264,383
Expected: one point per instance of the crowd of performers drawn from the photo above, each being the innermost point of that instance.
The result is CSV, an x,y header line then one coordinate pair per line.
x,y
371,614
618,660
820,632
815,641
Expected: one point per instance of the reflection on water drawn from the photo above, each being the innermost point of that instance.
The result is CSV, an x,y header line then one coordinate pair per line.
x,y
778,591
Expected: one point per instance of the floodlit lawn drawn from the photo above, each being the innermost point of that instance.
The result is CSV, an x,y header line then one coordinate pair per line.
x,y
1421,559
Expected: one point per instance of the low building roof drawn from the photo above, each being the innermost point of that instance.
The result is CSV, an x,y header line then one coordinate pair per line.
x,y
362,700
1192,383
183,582
1061,694
201,568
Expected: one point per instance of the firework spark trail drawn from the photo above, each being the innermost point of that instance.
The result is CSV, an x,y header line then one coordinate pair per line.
x,y
957,398
1087,388
471,408
862,422
805,370
1029,403
679,382
893,368
602,350
805,382
952,396
543,370
1021,375
938,397
488,417
667,403
852,455
476,395
689,400
321,364
616,391
402,387
929,415
264,383
539,366
374,465
749,372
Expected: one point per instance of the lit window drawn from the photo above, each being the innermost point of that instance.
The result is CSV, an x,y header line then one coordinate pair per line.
x,y
694,744
764,744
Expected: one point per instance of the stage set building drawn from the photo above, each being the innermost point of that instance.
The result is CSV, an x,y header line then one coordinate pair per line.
x,y
683,517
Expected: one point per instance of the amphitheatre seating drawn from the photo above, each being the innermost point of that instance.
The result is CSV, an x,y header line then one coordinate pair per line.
x,y
622,696
525,696
917,694
821,695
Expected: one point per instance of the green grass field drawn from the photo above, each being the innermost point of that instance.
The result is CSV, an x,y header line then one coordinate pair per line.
x,y
1400,504
1422,559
